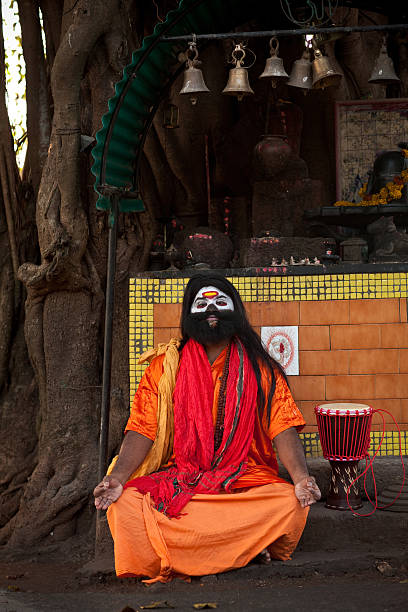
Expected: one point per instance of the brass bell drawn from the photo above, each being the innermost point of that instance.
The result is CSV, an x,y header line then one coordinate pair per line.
x,y
383,72
301,75
193,83
274,68
323,73
238,82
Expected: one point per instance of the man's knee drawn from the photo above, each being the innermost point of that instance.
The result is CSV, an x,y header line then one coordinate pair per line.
x,y
128,504
292,504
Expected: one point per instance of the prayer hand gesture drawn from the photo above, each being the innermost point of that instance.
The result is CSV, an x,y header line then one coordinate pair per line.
x,y
307,491
107,492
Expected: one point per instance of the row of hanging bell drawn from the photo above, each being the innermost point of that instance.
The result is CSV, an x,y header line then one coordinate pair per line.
x,y
319,73
306,74
194,84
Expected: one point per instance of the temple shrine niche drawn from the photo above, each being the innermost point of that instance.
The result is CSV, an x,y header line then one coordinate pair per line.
x,y
281,170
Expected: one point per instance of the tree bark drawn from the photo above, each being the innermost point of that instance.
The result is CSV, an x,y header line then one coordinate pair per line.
x,y
18,398
52,15
63,309
37,88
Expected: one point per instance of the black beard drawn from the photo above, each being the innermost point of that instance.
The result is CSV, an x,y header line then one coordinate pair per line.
x,y
196,326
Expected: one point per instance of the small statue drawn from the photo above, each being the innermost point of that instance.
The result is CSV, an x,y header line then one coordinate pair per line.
x,y
388,244
157,253
171,257
234,263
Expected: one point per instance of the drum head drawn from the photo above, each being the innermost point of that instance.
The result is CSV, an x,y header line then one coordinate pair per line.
x,y
343,408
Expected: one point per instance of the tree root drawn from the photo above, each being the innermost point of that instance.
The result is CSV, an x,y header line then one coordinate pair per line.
x,y
47,510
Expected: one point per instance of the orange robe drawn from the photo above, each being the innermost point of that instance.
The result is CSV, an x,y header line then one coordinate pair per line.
x,y
216,532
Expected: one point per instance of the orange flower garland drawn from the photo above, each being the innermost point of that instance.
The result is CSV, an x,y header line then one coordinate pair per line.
x,y
391,191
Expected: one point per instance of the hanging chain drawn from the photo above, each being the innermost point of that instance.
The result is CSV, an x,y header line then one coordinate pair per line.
x,y
319,15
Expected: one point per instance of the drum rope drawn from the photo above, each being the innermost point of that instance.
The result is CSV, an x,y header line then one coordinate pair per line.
x,y
369,466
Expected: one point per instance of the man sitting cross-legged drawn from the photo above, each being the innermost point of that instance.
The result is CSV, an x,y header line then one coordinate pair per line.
x,y
195,489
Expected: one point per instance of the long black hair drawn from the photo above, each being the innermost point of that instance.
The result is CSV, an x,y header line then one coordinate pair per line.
x,y
248,336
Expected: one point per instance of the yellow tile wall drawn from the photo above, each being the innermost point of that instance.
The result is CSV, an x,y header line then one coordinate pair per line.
x,y
259,292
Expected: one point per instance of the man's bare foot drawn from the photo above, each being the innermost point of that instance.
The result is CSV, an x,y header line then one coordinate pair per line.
x,y
263,558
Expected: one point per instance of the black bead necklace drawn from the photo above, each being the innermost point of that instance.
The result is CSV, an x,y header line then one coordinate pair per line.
x,y
222,396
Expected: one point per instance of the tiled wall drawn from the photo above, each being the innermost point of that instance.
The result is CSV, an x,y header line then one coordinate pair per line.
x,y
350,349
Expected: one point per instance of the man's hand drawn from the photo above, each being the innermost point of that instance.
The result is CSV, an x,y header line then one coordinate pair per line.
x,y
133,450
307,491
107,492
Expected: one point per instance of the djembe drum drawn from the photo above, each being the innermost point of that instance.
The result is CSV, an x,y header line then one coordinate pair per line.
x,y
344,431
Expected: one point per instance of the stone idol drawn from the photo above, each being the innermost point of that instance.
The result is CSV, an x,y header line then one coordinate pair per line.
x,y
386,243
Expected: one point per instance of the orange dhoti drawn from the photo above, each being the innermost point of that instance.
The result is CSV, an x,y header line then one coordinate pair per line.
x,y
215,533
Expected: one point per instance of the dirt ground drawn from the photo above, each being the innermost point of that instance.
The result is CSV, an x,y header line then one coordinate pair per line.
x,y
50,568
45,576
50,587
51,578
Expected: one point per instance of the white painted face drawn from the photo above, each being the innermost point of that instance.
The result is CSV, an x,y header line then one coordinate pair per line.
x,y
211,295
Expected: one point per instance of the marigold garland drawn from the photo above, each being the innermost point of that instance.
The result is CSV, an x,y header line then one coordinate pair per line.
x,y
391,191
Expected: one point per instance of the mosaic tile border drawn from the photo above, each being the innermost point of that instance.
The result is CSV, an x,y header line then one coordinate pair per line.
x,y
145,292
285,288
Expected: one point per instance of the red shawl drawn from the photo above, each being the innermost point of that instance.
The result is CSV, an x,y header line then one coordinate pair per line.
x,y
198,469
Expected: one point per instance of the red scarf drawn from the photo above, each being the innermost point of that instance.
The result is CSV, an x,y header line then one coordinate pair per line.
x,y
198,469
